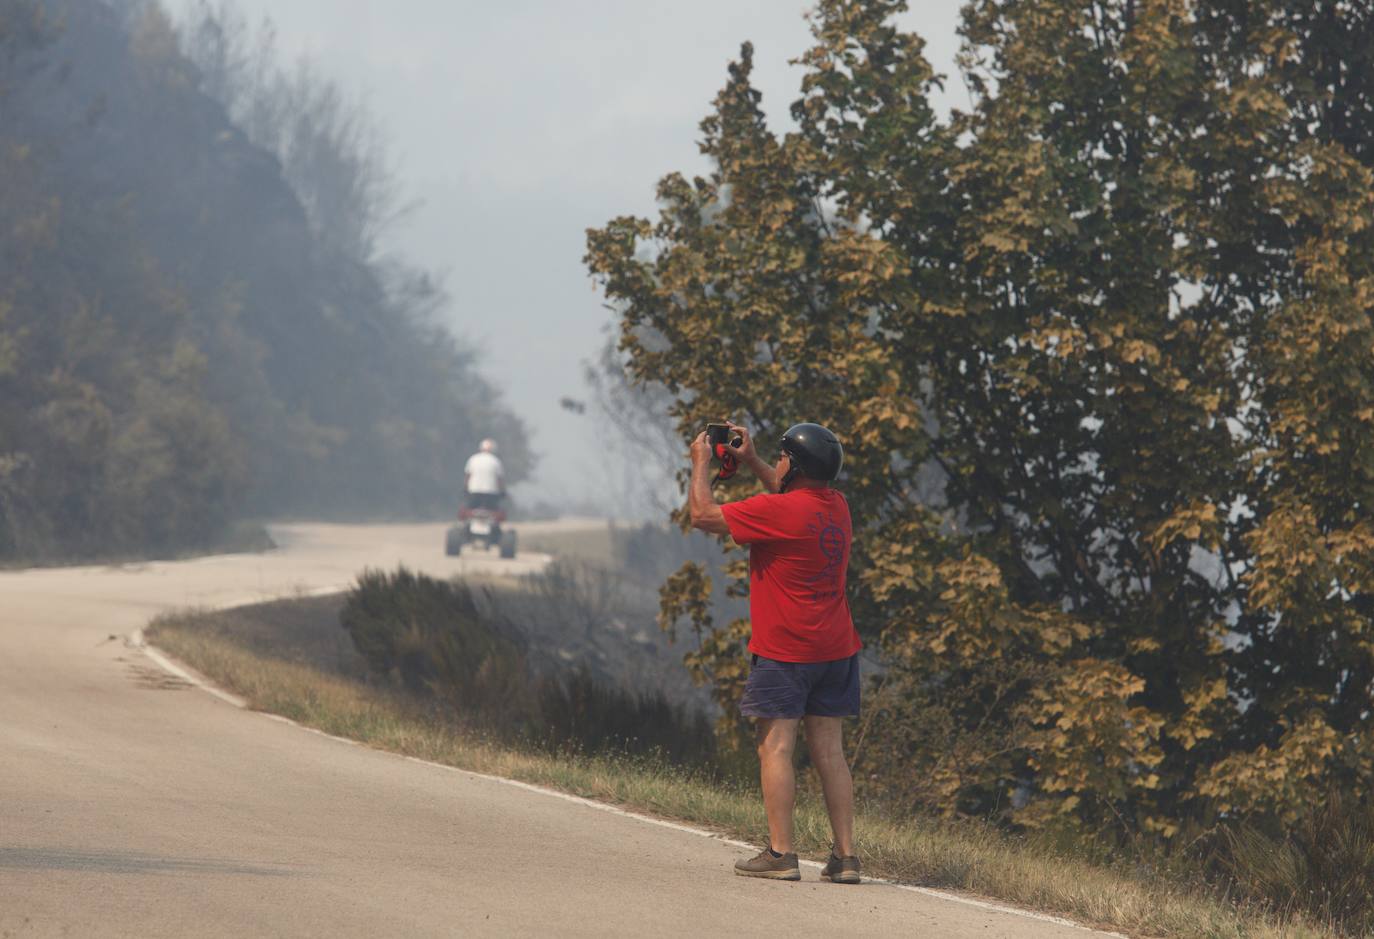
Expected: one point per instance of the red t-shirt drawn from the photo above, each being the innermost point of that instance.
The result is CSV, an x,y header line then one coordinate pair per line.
x,y
798,555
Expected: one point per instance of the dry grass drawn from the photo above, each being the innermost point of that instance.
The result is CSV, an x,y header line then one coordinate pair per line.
x,y
952,856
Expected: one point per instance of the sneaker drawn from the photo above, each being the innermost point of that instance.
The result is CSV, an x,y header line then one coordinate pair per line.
x,y
841,870
766,865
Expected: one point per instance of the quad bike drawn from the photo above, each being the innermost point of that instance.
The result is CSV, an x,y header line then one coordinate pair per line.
x,y
480,526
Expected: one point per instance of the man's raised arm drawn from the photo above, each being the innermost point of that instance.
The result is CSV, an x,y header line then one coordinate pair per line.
x,y
706,514
749,456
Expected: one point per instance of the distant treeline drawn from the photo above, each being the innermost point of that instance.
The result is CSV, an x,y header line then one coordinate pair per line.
x,y
195,324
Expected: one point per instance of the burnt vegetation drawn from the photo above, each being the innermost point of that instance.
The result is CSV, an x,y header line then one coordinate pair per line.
x,y
454,645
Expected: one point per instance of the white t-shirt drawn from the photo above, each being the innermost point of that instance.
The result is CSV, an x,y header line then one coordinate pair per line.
x,y
484,473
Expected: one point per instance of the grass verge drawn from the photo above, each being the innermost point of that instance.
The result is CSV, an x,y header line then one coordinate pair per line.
x,y
963,857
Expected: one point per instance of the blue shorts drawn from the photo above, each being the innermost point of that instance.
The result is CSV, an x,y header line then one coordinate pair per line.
x,y
796,689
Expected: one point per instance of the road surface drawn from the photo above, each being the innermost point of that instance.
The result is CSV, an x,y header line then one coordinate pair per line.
x,y
132,804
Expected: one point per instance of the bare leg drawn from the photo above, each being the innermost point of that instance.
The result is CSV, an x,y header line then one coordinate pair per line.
x,y
777,740
825,741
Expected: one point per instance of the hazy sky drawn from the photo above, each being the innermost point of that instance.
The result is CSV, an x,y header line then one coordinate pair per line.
x,y
519,124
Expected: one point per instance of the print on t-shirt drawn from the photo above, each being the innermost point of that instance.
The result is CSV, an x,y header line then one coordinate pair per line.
x,y
830,536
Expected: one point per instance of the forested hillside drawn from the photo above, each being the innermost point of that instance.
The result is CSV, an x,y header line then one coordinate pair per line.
x,y
179,344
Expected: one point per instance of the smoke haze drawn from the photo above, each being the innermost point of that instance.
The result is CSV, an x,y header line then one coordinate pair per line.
x,y
515,127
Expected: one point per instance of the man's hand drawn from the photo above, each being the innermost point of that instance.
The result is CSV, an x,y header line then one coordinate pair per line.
x,y
701,450
748,455
745,451
706,514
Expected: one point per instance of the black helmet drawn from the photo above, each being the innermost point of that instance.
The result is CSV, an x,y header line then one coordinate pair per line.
x,y
815,452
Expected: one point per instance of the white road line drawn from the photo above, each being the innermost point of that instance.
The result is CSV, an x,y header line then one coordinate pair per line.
x,y
175,669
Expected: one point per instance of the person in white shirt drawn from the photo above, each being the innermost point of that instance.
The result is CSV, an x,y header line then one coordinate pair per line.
x,y
485,478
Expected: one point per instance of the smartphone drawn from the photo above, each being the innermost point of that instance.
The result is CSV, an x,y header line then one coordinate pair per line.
x,y
721,433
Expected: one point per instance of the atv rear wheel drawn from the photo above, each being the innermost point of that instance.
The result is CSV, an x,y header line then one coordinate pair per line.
x,y
454,540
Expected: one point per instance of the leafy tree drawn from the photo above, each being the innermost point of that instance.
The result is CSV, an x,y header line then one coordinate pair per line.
x,y
330,149
1099,351
1304,670
104,444
759,302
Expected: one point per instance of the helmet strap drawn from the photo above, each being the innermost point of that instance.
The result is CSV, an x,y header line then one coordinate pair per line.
x,y
787,478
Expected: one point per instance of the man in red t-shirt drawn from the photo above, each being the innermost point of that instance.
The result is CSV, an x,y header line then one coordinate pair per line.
x,y
804,646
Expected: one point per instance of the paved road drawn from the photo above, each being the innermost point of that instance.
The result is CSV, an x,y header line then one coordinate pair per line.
x,y
131,805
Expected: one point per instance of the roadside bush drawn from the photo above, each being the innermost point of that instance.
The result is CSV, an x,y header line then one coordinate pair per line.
x,y
429,636
1322,866
447,643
